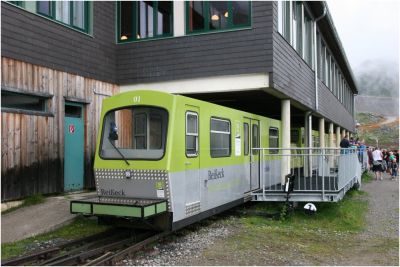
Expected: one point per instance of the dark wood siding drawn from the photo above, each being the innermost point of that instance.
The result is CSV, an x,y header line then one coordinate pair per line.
x,y
294,77
32,147
224,53
34,39
332,109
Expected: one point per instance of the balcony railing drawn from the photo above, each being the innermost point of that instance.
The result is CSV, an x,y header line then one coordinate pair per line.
x,y
316,171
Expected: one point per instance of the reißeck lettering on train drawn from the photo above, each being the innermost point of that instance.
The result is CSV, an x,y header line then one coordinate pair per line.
x,y
216,174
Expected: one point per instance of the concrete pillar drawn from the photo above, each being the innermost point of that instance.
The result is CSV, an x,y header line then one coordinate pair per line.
x,y
285,118
343,134
307,143
331,144
338,137
322,132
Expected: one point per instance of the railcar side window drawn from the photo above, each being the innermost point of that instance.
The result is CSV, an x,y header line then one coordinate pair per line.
x,y
220,138
255,139
192,134
294,136
155,131
273,140
140,133
246,138
140,121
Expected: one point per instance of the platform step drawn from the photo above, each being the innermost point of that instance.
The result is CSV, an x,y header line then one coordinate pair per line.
x,y
120,207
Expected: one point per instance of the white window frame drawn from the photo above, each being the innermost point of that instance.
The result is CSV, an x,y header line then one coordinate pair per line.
x,y
192,113
221,132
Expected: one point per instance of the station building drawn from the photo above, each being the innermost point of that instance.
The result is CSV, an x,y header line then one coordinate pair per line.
x,y
283,60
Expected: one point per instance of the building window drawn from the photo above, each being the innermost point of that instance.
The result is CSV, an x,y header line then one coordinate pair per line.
x,y
298,27
284,20
319,56
331,75
274,140
78,14
308,38
45,8
328,68
139,20
17,3
192,134
24,101
72,13
63,12
323,62
205,16
220,138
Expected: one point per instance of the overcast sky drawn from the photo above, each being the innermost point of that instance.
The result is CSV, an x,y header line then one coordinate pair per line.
x,y
369,30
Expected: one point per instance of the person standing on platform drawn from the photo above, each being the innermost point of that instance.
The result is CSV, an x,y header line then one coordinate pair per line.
x,y
377,163
344,144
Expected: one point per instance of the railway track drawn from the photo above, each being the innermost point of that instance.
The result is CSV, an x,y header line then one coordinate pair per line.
x,y
105,248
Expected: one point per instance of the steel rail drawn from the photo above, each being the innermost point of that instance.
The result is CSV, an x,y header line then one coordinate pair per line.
x,y
82,256
44,254
79,249
113,259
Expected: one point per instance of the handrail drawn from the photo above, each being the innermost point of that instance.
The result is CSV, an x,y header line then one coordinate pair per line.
x,y
316,169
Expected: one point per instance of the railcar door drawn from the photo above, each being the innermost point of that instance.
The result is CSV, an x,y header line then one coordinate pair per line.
x,y
192,161
255,155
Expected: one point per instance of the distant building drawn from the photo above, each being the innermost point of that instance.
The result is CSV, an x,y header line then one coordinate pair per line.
x,y
60,59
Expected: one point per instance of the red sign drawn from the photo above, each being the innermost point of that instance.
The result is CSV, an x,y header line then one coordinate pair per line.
x,y
71,128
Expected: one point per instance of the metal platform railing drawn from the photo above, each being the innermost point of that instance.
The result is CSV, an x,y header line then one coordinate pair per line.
x,y
320,174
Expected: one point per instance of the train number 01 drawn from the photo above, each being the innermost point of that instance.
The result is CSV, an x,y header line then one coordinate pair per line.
x,y
136,99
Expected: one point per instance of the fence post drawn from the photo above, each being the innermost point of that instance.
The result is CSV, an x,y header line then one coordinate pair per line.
x,y
262,173
323,173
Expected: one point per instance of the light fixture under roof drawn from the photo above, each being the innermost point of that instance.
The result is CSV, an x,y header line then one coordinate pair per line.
x,y
124,37
138,36
226,14
214,17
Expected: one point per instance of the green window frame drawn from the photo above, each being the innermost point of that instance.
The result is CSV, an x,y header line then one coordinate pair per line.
x,y
136,23
17,3
72,12
230,25
66,15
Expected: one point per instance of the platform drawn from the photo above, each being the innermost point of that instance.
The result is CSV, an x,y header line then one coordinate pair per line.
x,y
123,207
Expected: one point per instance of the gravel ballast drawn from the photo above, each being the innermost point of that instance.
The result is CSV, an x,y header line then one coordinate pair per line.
x,y
368,247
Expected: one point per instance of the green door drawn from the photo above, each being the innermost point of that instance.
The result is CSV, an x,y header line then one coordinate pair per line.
x,y
73,147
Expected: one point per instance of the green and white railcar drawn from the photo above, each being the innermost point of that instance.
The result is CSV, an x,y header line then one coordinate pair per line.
x,y
171,160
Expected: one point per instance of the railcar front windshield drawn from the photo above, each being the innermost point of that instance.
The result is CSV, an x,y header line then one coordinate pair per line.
x,y
137,132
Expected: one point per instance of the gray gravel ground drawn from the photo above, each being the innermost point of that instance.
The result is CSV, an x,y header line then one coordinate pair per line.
x,y
182,247
382,222
383,215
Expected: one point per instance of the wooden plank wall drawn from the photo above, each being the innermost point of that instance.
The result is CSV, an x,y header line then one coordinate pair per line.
x,y
32,147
